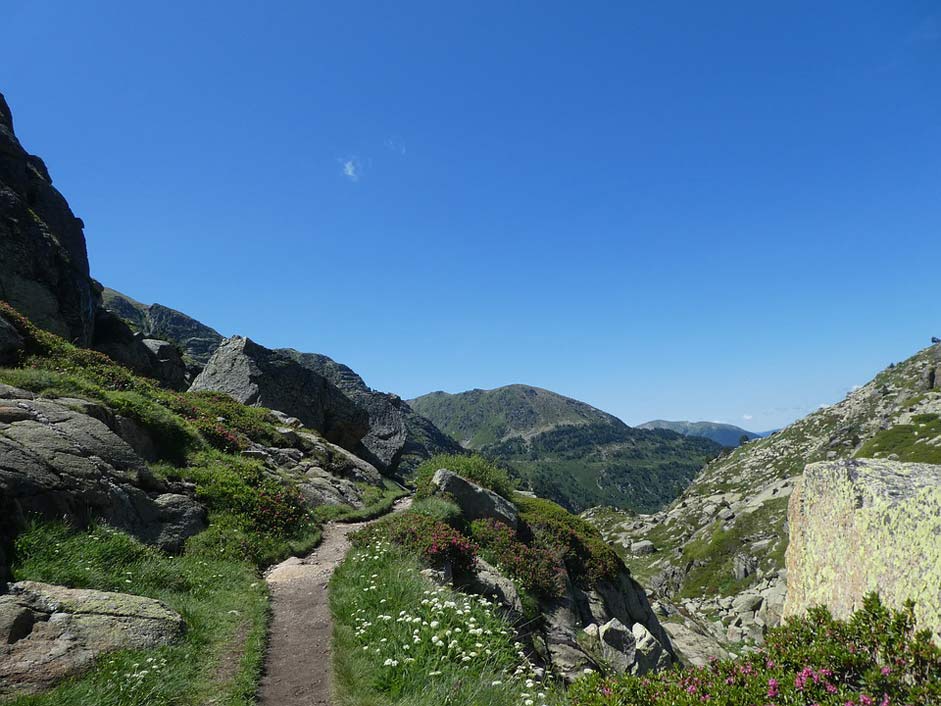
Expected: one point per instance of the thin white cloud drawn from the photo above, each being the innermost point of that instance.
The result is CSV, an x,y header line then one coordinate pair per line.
x,y
351,168
747,417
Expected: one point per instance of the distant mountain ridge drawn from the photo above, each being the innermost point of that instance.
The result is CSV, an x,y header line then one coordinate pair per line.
x,y
727,435
568,450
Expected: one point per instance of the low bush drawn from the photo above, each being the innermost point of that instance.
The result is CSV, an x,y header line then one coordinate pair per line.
x,y
474,468
376,502
586,555
441,510
537,569
875,658
435,542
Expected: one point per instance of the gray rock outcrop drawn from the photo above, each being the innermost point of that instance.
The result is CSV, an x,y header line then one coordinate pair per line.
x,y
151,358
43,262
49,633
866,525
59,462
476,502
398,438
258,376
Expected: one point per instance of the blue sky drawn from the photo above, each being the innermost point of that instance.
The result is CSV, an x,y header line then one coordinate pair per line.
x,y
725,210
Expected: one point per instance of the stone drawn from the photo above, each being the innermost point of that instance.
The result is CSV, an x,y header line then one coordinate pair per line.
x,y
617,645
645,546
43,261
260,377
11,343
746,602
865,525
694,647
49,633
476,502
649,655
56,462
398,438
151,358
743,566
489,582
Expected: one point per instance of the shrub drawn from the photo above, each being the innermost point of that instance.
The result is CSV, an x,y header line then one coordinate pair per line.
x,y
433,541
439,509
474,468
539,570
582,549
875,658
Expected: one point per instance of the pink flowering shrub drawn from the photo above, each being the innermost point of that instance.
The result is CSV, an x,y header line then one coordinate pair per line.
x,y
875,658
538,569
435,542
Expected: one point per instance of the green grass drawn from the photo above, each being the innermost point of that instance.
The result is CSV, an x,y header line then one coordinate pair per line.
x,y
386,616
474,468
223,602
907,441
376,502
441,510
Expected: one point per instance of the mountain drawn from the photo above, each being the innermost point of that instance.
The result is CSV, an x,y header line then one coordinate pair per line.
x,y
725,537
727,435
568,450
197,340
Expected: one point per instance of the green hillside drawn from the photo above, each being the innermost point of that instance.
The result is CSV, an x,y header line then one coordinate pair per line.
x,y
567,450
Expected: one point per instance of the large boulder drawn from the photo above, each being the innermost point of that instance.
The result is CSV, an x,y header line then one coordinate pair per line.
x,y
149,357
43,262
858,526
398,438
59,462
259,376
476,502
48,633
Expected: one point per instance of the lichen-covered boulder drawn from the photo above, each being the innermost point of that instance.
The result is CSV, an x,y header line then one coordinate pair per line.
x,y
866,525
476,502
48,633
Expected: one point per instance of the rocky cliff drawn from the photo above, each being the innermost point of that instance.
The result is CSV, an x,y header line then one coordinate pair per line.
x,y
43,263
398,438
197,341
260,377
858,526
717,553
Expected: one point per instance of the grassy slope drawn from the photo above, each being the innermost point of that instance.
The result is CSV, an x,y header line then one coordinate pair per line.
x,y
896,398
567,450
215,583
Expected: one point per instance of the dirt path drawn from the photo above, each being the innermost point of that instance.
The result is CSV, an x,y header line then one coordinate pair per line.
x,y
298,670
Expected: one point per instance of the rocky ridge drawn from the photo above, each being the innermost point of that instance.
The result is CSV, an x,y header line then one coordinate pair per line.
x,y
725,537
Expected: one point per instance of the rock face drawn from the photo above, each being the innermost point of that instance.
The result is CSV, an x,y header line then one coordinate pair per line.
x,y
152,358
197,340
866,525
59,462
48,633
43,261
11,342
258,376
476,502
399,438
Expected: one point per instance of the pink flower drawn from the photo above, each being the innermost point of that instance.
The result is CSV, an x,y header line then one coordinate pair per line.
x,y
886,671
772,688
